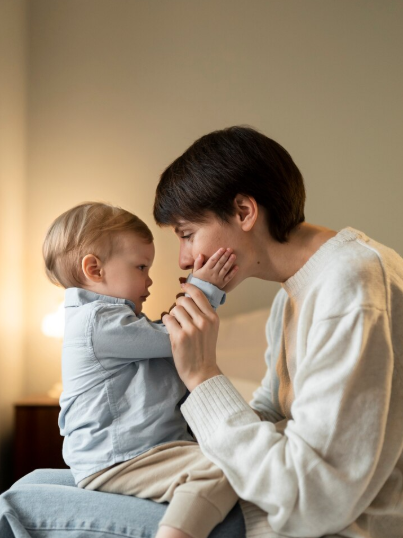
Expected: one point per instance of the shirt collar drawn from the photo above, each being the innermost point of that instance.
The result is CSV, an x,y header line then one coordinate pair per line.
x,y
78,297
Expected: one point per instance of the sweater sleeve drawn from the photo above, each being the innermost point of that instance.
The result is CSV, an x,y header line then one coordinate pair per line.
x,y
332,459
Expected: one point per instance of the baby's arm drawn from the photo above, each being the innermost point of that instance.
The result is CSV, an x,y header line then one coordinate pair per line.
x,y
212,276
219,269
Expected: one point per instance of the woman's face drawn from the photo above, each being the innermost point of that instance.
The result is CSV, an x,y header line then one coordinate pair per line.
x,y
206,238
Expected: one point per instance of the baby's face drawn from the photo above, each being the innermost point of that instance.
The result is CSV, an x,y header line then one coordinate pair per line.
x,y
126,272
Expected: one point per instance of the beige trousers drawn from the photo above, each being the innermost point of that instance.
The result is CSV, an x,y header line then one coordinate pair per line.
x,y
198,493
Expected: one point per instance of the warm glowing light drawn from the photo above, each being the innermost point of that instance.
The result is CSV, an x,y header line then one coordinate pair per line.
x,y
53,323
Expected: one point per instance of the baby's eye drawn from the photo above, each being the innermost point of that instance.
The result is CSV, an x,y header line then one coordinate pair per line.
x,y
141,267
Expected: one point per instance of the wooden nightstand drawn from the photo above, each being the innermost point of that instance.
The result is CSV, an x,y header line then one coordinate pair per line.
x,y
38,443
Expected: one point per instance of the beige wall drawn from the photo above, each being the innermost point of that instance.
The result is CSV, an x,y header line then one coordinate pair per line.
x,y
12,205
119,88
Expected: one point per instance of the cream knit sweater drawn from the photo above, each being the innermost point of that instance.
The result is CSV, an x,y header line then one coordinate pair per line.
x,y
328,458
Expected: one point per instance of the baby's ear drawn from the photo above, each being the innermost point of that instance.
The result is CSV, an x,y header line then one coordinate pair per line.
x,y
92,268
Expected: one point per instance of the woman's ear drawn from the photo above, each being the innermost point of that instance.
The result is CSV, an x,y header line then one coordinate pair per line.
x,y
246,210
92,268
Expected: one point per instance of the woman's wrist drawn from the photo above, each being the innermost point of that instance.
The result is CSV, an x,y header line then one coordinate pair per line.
x,y
201,377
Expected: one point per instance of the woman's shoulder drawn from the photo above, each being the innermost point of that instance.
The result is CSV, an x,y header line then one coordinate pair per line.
x,y
356,276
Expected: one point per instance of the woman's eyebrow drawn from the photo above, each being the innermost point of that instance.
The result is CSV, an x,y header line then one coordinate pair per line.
x,y
179,228
180,224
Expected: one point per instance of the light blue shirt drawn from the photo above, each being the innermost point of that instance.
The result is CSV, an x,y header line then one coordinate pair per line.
x,y
121,391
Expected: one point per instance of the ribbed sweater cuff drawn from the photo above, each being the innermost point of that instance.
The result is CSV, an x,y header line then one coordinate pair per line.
x,y
212,403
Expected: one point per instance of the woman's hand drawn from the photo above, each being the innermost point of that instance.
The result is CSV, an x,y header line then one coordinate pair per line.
x,y
193,329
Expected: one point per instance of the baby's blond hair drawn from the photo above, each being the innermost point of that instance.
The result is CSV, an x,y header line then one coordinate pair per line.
x,y
88,228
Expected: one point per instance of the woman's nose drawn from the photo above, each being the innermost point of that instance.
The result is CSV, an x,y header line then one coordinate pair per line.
x,y
185,259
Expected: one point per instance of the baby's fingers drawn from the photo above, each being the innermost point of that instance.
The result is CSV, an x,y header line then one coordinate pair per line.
x,y
227,265
198,264
226,259
215,258
219,259
230,275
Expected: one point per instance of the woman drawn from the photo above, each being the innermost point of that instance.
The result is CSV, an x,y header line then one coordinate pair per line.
x,y
320,450
324,457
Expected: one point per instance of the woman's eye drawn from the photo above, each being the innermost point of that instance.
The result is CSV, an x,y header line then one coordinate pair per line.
x,y
186,236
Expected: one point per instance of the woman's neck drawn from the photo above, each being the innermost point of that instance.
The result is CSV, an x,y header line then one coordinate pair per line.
x,y
280,261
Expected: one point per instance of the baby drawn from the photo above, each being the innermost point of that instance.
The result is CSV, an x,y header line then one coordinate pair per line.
x,y
120,407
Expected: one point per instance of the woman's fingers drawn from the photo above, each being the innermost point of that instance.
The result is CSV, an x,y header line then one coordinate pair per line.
x,y
197,317
193,329
183,317
172,325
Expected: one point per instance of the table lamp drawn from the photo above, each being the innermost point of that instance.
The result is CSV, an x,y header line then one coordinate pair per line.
x,y
53,327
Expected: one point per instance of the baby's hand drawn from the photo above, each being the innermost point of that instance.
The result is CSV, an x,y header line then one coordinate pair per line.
x,y
219,269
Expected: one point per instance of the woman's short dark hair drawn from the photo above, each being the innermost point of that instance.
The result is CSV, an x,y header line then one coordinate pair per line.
x,y
222,164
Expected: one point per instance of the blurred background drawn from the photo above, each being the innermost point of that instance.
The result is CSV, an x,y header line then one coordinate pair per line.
x,y
97,97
